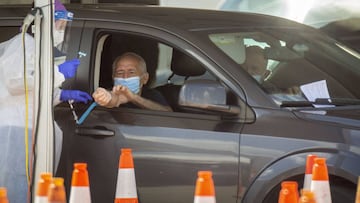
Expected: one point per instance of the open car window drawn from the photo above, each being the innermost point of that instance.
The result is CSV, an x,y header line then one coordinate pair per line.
x,y
172,73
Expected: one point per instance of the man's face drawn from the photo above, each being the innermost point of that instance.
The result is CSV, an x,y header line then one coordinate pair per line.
x,y
126,68
255,63
129,67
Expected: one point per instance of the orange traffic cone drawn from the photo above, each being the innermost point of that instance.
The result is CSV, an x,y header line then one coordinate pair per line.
x,y
126,184
80,190
204,190
56,193
307,197
320,181
43,188
357,200
308,171
3,195
289,192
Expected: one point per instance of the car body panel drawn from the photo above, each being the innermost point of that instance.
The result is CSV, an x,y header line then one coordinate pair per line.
x,y
249,154
161,151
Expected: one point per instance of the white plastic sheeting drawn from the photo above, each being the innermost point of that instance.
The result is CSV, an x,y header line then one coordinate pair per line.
x,y
12,114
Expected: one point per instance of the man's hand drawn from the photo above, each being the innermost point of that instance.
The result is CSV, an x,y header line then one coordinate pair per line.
x,y
102,96
123,94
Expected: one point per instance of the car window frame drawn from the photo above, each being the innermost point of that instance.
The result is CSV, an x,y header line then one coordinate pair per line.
x,y
174,41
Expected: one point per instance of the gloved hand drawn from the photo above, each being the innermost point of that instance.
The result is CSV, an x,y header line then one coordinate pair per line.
x,y
68,68
76,95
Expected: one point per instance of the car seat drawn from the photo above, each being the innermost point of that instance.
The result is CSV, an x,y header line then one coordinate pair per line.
x,y
181,65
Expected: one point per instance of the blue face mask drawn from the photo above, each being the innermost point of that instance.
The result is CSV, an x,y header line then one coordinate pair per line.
x,y
133,83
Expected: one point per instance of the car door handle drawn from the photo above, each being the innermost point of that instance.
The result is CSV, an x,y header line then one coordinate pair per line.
x,y
97,132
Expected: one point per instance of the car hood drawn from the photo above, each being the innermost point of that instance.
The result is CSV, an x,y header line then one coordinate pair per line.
x,y
345,116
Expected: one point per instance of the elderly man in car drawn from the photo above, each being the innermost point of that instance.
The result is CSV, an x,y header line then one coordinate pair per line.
x,y
130,75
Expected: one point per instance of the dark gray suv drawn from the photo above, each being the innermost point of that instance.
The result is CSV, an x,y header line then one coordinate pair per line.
x,y
225,121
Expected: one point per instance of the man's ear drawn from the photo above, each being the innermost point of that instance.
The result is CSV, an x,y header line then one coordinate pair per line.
x,y
144,78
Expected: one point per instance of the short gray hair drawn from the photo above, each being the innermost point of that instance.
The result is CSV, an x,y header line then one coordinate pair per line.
x,y
142,64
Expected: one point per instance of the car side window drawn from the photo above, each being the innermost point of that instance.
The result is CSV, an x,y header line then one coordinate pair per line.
x,y
177,76
249,50
263,68
289,67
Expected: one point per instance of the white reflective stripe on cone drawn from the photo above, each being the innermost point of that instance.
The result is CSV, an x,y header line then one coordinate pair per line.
x,y
80,194
204,199
307,181
42,199
126,186
321,190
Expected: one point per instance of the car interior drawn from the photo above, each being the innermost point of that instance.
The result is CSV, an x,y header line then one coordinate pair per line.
x,y
181,65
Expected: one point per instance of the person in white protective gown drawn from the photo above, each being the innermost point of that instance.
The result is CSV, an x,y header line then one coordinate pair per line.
x,y
12,110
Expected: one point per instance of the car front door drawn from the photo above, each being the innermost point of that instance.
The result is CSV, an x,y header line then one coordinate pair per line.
x,y
169,148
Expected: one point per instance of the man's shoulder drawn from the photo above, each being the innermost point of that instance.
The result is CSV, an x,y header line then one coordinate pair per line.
x,y
148,93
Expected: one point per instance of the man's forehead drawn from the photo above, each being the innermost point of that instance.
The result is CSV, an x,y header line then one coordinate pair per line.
x,y
126,68
127,63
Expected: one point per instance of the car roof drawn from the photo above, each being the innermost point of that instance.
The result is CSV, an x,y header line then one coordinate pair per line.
x,y
184,18
176,18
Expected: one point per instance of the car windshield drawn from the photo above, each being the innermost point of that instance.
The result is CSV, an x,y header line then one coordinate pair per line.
x,y
293,64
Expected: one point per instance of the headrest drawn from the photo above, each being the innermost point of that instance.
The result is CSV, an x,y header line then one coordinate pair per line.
x,y
184,65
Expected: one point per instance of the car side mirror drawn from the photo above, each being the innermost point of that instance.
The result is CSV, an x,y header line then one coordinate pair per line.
x,y
207,95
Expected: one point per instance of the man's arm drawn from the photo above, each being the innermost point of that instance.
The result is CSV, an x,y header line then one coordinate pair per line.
x,y
148,104
105,98
123,95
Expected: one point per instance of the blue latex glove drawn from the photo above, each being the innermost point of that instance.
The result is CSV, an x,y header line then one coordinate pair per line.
x,y
68,68
76,95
